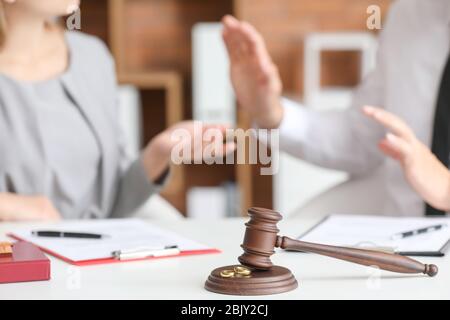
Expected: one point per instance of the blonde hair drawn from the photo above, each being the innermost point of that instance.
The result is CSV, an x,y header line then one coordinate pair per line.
x,y
2,24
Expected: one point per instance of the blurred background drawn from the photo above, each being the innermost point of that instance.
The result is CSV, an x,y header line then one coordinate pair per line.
x,y
172,65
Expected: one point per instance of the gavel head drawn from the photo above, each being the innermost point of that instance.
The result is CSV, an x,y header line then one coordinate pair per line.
x,y
261,236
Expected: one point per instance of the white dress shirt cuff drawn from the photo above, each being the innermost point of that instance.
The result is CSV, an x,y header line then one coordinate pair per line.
x,y
295,125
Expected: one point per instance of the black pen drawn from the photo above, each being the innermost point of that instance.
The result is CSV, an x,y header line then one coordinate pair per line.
x,y
61,234
411,233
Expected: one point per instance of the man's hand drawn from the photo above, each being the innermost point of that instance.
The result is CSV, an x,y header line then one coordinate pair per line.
x,y
255,77
427,175
157,155
15,207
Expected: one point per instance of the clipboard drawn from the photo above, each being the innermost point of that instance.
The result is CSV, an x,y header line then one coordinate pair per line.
x,y
123,234
374,232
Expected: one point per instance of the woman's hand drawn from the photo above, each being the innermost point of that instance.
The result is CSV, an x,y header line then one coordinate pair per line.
x,y
427,175
26,208
255,77
199,141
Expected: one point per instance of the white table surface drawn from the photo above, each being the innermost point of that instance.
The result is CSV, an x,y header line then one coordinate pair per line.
x,y
183,278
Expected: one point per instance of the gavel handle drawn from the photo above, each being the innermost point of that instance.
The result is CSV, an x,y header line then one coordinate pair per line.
x,y
385,261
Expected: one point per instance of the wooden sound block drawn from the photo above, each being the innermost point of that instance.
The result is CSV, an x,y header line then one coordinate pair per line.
x,y
273,281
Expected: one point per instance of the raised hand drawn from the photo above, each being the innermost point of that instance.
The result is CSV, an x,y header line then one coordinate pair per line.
x,y
189,142
256,80
426,174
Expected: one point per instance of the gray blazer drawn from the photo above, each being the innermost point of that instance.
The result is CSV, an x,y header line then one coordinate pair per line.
x,y
25,167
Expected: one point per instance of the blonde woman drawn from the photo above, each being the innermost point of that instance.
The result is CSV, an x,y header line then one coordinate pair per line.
x,y
60,146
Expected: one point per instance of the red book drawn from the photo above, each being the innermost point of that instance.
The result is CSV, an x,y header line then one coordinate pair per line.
x,y
27,263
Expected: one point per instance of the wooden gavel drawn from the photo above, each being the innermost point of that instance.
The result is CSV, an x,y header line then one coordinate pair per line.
x,y
261,237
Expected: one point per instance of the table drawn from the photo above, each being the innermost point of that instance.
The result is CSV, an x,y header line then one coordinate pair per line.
x,y
184,277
